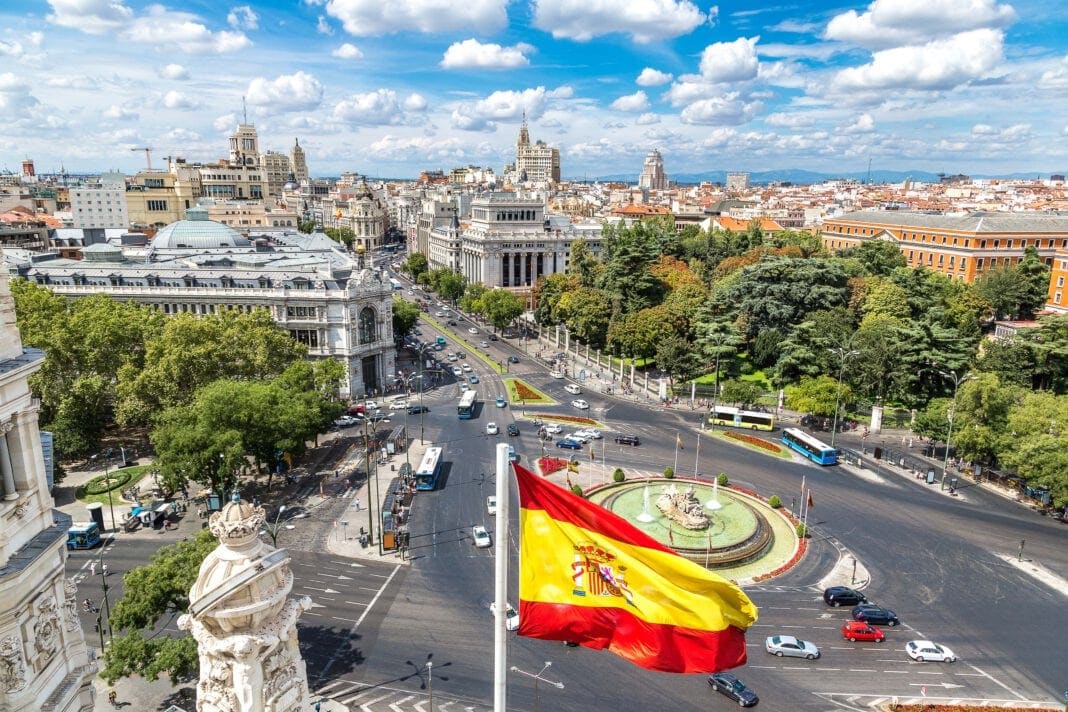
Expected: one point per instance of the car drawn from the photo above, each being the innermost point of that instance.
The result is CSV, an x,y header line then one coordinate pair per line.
x,y
512,456
859,630
493,337
472,330
578,436
461,355
580,404
457,371
481,537
491,505
513,359
417,409
464,387
452,358
491,429
926,651
451,322
573,389
501,402
843,596
466,368
372,405
871,613
398,405
732,688
417,332
554,428
439,313
377,416
556,374
473,378
439,347
590,433
791,647
628,440
513,429
511,616
569,444
345,421
483,345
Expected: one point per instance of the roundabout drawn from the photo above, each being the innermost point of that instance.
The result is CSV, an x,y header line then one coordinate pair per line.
x,y
733,533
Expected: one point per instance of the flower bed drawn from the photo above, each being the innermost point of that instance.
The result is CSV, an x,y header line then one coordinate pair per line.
x,y
802,546
521,392
752,440
578,419
930,707
549,465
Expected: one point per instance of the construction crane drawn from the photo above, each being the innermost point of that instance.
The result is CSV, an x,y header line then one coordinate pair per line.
x,y
148,156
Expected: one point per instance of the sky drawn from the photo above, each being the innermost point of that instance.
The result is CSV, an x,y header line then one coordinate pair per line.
x,y
389,88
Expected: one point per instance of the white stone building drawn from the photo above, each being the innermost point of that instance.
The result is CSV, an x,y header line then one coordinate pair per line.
x,y
535,162
44,663
652,176
100,204
737,182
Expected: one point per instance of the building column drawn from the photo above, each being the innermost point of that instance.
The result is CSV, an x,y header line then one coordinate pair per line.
x,y
6,472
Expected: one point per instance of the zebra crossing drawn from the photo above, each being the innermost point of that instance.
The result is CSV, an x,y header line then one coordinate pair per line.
x,y
358,697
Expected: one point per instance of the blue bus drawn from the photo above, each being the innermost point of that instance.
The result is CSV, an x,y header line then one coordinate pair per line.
x,y
426,477
395,283
815,450
466,409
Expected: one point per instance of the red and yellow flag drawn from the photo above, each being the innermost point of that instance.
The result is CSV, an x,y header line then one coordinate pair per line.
x,y
590,577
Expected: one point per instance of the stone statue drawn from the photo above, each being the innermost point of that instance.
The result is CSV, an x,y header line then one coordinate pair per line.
x,y
683,508
244,621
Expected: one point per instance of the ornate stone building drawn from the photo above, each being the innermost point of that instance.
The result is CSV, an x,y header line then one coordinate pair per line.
x,y
535,162
44,663
298,162
652,176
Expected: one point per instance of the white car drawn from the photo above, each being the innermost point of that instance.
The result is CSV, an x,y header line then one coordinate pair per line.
x,y
483,345
481,537
472,330
580,404
578,436
491,505
464,387
398,405
557,374
511,616
457,371
439,313
491,429
926,651
371,405
589,434
554,429
573,389
345,421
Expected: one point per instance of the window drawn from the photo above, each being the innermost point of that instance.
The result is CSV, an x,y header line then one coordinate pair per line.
x,y
368,329
157,205
979,263
153,182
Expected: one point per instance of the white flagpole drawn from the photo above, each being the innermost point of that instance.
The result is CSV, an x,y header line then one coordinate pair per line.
x,y
500,589
697,458
805,522
678,436
801,512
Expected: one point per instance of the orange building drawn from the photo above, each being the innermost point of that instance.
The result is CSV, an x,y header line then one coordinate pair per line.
x,y
1058,293
960,246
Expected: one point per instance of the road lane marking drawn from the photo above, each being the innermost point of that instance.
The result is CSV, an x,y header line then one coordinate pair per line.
x,y
999,683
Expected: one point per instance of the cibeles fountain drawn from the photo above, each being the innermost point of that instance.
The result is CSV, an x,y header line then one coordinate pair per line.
x,y
245,621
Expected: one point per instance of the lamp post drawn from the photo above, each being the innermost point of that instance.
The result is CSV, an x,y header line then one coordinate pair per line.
x,y
273,528
842,353
718,340
107,604
372,479
111,503
538,678
957,380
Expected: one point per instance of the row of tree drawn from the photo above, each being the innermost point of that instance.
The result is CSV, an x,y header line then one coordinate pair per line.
x,y
499,307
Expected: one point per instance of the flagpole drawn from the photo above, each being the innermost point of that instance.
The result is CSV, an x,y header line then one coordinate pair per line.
x,y
500,589
805,522
697,458
677,438
801,513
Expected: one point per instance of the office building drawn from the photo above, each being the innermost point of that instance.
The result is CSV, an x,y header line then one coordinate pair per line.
x,y
535,162
101,203
737,182
652,176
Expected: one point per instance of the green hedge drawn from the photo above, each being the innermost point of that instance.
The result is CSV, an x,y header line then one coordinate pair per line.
x,y
117,480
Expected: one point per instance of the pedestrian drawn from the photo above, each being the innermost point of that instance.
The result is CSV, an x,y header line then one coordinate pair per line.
x,y
113,698
357,504
92,568
104,568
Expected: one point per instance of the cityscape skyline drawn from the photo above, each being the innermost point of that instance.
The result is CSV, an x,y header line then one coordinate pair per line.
x,y
940,85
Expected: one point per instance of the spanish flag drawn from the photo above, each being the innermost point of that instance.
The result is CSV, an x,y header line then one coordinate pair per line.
x,y
589,577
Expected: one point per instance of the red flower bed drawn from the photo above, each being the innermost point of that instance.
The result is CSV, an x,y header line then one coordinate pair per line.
x,y
926,707
549,465
752,440
802,547
572,419
524,391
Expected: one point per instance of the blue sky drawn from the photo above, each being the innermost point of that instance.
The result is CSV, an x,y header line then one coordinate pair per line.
x,y
392,87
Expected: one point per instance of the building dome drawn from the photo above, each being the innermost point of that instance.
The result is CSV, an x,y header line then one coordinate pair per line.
x,y
197,232
102,252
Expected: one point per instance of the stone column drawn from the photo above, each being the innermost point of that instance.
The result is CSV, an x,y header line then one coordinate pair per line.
x,y
6,472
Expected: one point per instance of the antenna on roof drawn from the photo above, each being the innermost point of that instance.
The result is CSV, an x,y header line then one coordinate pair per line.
x,y
868,181
244,111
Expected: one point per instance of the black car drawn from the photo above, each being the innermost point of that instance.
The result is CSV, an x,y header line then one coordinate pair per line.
x,y
513,429
733,688
843,596
417,409
492,337
451,322
871,613
628,440
513,359
377,416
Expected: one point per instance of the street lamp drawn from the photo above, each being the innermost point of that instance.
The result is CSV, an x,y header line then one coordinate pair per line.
x,y
842,353
273,528
111,503
372,478
952,375
538,678
718,340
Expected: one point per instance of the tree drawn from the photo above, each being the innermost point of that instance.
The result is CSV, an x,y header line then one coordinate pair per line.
x,y
879,257
1049,344
306,226
817,395
501,307
744,393
1033,273
416,265
676,357
405,317
980,422
878,368
547,295
448,284
933,421
152,592
471,301
78,424
582,263
1011,359
1038,449
587,313
341,234
887,299
1004,290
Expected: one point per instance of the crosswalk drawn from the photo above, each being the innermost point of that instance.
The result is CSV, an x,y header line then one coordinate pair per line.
x,y
382,698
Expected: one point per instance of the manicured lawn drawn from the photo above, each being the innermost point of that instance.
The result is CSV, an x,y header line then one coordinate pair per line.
x,y
128,476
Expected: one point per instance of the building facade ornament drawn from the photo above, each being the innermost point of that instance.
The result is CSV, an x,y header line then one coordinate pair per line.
x,y
46,630
12,664
70,604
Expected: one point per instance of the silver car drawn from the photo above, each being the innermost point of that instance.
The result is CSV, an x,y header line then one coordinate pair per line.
x,y
789,646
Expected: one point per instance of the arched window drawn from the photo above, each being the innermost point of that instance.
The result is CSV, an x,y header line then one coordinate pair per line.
x,y
368,328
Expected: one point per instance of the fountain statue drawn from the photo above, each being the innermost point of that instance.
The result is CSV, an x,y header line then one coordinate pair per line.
x,y
245,622
683,508
714,503
645,517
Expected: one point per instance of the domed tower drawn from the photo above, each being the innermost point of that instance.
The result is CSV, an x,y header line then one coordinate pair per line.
x,y
245,622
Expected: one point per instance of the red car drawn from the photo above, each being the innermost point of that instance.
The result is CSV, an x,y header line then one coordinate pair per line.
x,y
859,630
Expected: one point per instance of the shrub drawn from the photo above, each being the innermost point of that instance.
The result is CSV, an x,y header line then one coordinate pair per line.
x,y
774,502
722,479
576,490
619,475
802,530
100,485
752,440
669,472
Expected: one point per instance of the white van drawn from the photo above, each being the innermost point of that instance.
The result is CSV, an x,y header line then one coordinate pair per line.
x,y
573,389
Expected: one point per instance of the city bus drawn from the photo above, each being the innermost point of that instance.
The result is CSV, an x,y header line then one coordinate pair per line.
x,y
395,283
815,450
725,415
466,409
426,477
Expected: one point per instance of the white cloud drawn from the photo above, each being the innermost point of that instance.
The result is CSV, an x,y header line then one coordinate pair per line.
x,y
374,17
177,100
473,54
183,136
482,115
1014,134
644,20
735,61
631,102
939,64
864,124
375,108
323,27
35,38
95,17
174,71
893,23
726,110
15,95
648,119
652,78
120,113
1056,78
181,30
226,122
289,92
243,17
792,120
348,51
415,102
795,26
688,89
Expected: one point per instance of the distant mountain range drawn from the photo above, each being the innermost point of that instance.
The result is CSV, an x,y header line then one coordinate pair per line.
x,y
802,177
